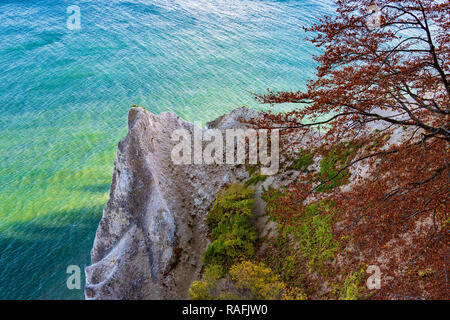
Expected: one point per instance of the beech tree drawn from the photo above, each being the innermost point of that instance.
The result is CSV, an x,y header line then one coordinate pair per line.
x,y
383,73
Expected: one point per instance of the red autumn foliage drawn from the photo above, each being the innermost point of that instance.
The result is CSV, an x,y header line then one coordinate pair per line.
x,y
382,75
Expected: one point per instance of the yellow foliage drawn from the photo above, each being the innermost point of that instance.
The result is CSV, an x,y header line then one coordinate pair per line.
x,y
261,283
202,290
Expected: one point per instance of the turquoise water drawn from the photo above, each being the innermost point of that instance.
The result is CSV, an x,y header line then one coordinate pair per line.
x,y
64,97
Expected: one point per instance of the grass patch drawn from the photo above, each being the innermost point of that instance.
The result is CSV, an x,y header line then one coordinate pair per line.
x,y
330,165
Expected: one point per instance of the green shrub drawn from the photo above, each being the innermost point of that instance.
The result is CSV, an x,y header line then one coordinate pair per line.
x,y
303,161
330,165
259,282
286,260
233,235
315,235
255,179
246,280
205,288
255,175
252,169
311,226
235,199
273,198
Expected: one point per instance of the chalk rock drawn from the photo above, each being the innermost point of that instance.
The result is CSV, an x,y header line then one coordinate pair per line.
x,y
152,235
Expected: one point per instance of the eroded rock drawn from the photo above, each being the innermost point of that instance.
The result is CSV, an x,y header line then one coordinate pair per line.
x,y
152,235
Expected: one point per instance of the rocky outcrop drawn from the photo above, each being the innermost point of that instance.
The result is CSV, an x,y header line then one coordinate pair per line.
x,y
151,237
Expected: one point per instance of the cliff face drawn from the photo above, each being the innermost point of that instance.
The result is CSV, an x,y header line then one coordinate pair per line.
x,y
151,237
153,233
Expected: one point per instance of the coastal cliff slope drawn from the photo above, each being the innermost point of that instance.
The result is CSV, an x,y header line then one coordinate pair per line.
x,y
150,240
153,233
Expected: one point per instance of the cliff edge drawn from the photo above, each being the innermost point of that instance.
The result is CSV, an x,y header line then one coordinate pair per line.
x,y
150,240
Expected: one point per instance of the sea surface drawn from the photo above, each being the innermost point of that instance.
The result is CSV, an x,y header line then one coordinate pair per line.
x,y
65,94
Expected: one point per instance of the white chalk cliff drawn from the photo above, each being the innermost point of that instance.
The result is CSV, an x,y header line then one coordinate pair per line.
x,y
152,235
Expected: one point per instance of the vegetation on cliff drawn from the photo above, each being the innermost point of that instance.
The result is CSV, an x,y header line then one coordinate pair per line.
x,y
229,273
229,220
380,193
382,85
